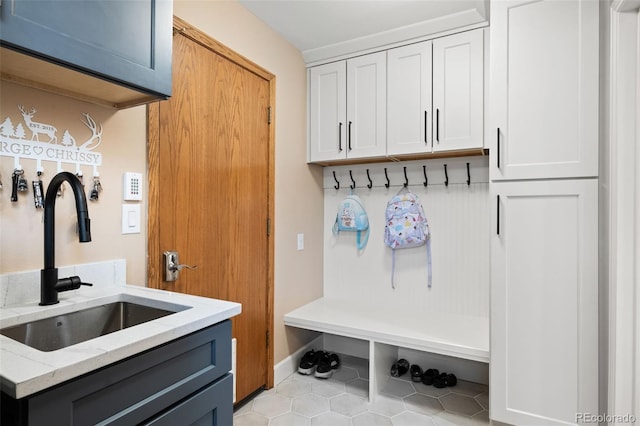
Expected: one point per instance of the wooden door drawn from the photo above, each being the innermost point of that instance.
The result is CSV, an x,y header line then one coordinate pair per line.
x,y
544,301
210,184
458,87
328,112
544,89
409,114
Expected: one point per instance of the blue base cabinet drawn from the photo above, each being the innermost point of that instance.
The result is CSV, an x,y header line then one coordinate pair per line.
x,y
186,382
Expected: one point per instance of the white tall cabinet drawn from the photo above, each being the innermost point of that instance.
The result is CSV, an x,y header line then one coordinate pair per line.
x,y
544,189
347,109
544,301
544,88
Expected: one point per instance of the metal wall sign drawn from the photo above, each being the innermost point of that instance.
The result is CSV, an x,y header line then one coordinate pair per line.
x,y
31,139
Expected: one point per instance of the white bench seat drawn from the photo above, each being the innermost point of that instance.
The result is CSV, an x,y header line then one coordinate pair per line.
x,y
458,336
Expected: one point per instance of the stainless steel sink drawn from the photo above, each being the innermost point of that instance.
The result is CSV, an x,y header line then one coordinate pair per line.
x,y
57,332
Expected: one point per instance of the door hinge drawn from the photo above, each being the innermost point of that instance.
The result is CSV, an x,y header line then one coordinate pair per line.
x,y
268,227
268,115
267,338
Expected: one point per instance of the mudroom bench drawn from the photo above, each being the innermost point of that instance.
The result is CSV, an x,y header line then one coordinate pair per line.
x,y
455,342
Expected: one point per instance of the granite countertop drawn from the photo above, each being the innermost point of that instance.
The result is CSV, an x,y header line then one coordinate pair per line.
x,y
25,370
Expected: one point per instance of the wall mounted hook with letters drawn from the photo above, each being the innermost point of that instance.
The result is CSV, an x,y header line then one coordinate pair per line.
x,y
30,139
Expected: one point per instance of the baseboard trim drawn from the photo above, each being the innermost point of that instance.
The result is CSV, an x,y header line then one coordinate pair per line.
x,y
289,365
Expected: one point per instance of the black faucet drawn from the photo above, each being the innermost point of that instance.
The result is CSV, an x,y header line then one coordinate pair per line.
x,y
50,285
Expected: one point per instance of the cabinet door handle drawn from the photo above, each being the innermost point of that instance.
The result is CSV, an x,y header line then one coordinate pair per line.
x,y
425,127
349,136
498,216
437,125
498,146
340,137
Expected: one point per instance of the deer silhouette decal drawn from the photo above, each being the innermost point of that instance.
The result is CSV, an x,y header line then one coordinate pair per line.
x,y
38,128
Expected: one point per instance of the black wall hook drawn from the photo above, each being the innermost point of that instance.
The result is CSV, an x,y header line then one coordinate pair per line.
x,y
424,171
353,182
370,184
386,185
337,185
446,176
406,180
468,175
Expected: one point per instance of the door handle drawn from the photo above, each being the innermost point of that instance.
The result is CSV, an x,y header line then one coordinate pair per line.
x,y
172,266
340,137
349,136
438,125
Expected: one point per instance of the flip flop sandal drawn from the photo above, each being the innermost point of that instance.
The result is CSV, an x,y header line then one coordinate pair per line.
x,y
444,380
416,373
399,367
429,375
308,362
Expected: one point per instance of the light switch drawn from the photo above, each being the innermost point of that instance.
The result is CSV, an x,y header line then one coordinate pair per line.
x,y
300,241
131,218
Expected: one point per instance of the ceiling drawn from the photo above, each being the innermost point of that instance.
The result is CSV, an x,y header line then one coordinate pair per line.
x,y
322,29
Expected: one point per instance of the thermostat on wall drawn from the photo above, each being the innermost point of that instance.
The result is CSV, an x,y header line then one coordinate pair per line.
x,y
132,186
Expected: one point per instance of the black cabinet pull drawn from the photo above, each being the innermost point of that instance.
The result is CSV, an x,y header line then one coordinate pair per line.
x,y
498,217
340,137
349,136
498,148
425,127
437,125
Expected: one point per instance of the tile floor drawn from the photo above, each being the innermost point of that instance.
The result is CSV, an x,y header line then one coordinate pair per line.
x,y
342,401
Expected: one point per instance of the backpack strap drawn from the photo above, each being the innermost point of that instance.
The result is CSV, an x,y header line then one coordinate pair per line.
x,y
362,243
393,268
429,269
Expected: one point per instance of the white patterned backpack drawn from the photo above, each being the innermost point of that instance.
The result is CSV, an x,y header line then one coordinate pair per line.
x,y
406,226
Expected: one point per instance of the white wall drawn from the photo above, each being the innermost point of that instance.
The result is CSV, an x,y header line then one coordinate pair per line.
x,y
123,149
459,221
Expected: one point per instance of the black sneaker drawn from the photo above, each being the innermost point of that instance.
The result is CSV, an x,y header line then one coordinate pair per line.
x,y
309,362
399,367
334,361
324,370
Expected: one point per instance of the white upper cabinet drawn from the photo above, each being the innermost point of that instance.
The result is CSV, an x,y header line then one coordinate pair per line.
x,y
458,86
367,105
407,101
409,112
347,109
544,301
544,89
435,95
327,111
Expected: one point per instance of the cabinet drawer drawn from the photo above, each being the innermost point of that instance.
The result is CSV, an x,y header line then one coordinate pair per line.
x,y
137,388
211,406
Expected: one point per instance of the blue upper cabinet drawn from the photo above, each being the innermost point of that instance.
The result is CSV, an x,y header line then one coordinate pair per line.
x,y
123,42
